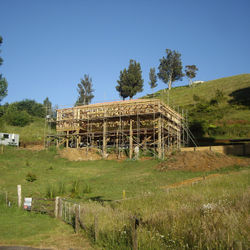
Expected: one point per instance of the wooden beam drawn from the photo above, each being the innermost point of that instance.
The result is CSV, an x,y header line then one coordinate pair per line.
x,y
67,139
104,144
130,139
159,138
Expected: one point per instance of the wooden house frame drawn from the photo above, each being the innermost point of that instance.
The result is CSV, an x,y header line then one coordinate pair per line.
x,y
146,123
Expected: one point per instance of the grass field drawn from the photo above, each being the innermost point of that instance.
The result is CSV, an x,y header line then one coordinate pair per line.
x,y
183,96
210,215
18,227
107,179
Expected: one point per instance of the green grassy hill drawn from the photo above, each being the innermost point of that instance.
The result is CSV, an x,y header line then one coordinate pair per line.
x,y
218,108
29,134
209,215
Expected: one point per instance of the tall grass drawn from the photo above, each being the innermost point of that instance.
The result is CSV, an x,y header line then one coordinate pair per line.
x,y
210,215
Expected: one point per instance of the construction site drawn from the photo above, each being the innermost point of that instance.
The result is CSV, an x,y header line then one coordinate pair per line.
x,y
122,127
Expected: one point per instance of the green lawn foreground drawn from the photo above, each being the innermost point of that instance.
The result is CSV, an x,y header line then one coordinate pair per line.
x,y
19,227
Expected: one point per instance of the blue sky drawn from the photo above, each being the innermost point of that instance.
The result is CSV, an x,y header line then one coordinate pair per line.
x,y
48,45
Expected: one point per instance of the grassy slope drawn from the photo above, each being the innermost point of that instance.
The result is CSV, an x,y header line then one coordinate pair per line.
x,y
32,133
107,179
183,96
234,111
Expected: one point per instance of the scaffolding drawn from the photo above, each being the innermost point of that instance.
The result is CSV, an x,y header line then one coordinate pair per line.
x,y
144,124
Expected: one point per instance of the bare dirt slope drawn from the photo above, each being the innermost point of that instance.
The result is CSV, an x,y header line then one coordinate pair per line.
x,y
84,154
201,161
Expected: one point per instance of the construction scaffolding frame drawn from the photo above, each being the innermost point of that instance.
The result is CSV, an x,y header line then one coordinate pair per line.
x,y
148,124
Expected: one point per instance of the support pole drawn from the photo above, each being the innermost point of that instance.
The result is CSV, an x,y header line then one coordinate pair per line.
x,y
19,195
77,139
67,140
104,145
130,139
159,138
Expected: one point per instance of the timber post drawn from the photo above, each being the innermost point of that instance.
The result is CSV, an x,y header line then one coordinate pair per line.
x,y
130,139
159,138
104,146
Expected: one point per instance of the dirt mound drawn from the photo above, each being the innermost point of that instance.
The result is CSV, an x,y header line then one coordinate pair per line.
x,y
34,146
201,161
84,154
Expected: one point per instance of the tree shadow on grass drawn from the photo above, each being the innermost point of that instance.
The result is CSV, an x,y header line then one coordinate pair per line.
x,y
241,97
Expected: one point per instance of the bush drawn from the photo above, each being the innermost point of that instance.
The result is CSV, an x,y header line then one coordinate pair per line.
x,y
31,177
15,117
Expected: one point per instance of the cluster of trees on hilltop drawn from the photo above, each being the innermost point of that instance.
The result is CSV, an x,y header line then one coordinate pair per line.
x,y
130,81
169,70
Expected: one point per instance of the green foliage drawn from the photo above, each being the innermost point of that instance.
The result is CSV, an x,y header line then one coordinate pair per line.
x,y
30,106
79,188
30,177
152,78
190,71
170,68
3,88
51,191
17,118
85,91
3,81
131,81
47,106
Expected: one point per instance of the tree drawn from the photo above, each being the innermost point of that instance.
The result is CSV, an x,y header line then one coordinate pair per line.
x,y
190,71
170,68
47,105
131,81
152,78
85,91
3,81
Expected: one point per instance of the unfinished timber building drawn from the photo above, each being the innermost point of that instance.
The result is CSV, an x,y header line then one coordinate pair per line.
x,y
145,124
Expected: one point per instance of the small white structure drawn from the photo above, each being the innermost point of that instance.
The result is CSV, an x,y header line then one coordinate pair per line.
x,y
197,82
9,139
27,204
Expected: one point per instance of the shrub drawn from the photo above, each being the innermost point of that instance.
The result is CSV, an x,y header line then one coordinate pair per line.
x,y
31,177
17,118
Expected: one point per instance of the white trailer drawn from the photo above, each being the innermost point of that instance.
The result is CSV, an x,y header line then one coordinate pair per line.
x,y
9,139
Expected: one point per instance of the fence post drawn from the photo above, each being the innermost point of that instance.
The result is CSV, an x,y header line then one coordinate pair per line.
x,y
76,218
56,206
96,228
60,208
134,224
19,195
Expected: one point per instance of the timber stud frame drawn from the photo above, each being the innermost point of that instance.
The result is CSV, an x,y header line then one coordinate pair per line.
x,y
122,125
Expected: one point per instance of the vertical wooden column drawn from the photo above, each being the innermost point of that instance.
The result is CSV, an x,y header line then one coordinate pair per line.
x,y
130,139
117,142
67,140
159,138
77,139
104,144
